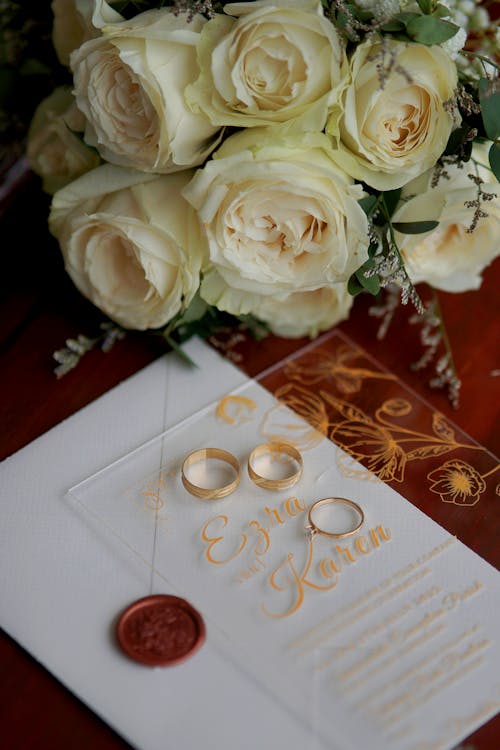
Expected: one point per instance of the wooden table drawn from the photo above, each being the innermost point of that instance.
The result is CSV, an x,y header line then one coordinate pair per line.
x,y
40,309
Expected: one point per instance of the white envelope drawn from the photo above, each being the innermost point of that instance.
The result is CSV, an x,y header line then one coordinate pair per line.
x,y
61,588
63,584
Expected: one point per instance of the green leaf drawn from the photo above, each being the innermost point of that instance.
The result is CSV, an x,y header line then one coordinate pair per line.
x,y
457,138
360,281
406,17
430,30
180,351
494,158
441,11
195,311
426,6
391,200
368,203
401,37
489,99
414,227
393,25
344,24
353,286
370,283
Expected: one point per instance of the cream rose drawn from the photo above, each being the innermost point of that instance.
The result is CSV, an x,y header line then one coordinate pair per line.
x,y
72,26
55,151
290,315
387,135
269,64
450,257
130,82
131,243
278,214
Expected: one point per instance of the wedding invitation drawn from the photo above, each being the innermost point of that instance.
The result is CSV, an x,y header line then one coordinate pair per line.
x,y
386,638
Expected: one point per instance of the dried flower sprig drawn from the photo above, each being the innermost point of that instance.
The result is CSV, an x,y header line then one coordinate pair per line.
x,y
385,266
433,336
130,8
386,309
68,357
481,197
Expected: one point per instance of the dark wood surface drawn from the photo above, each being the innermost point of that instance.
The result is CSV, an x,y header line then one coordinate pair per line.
x,y
40,309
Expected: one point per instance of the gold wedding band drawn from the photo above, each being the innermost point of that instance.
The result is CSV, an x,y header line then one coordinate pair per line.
x,y
313,528
202,455
275,450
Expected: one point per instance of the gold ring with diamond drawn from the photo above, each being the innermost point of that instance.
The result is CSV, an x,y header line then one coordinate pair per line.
x,y
312,528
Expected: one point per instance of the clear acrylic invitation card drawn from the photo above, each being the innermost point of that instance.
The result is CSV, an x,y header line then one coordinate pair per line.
x,y
385,638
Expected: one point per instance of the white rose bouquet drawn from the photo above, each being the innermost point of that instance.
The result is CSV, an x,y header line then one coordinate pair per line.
x,y
269,160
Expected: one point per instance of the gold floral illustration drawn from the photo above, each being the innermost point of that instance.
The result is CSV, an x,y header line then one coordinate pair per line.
x,y
379,445
322,365
457,482
384,447
368,442
305,426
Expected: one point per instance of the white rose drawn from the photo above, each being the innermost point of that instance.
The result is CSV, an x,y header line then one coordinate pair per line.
x,y
131,243
290,315
450,257
130,85
270,64
279,216
54,150
72,26
387,135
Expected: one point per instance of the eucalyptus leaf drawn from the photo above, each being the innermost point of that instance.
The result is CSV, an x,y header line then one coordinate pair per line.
x,y
393,24
441,11
414,227
401,37
363,15
368,203
430,30
457,138
489,99
353,286
494,158
195,311
406,17
391,200
370,283
180,351
361,280
426,6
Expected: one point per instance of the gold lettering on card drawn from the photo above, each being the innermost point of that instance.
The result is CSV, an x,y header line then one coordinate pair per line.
x,y
285,578
235,410
215,525
216,530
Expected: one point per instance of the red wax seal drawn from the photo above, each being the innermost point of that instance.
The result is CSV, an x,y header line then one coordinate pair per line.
x,y
160,630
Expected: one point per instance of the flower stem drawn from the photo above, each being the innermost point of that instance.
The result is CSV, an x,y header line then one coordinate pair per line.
x,y
488,473
444,332
467,53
